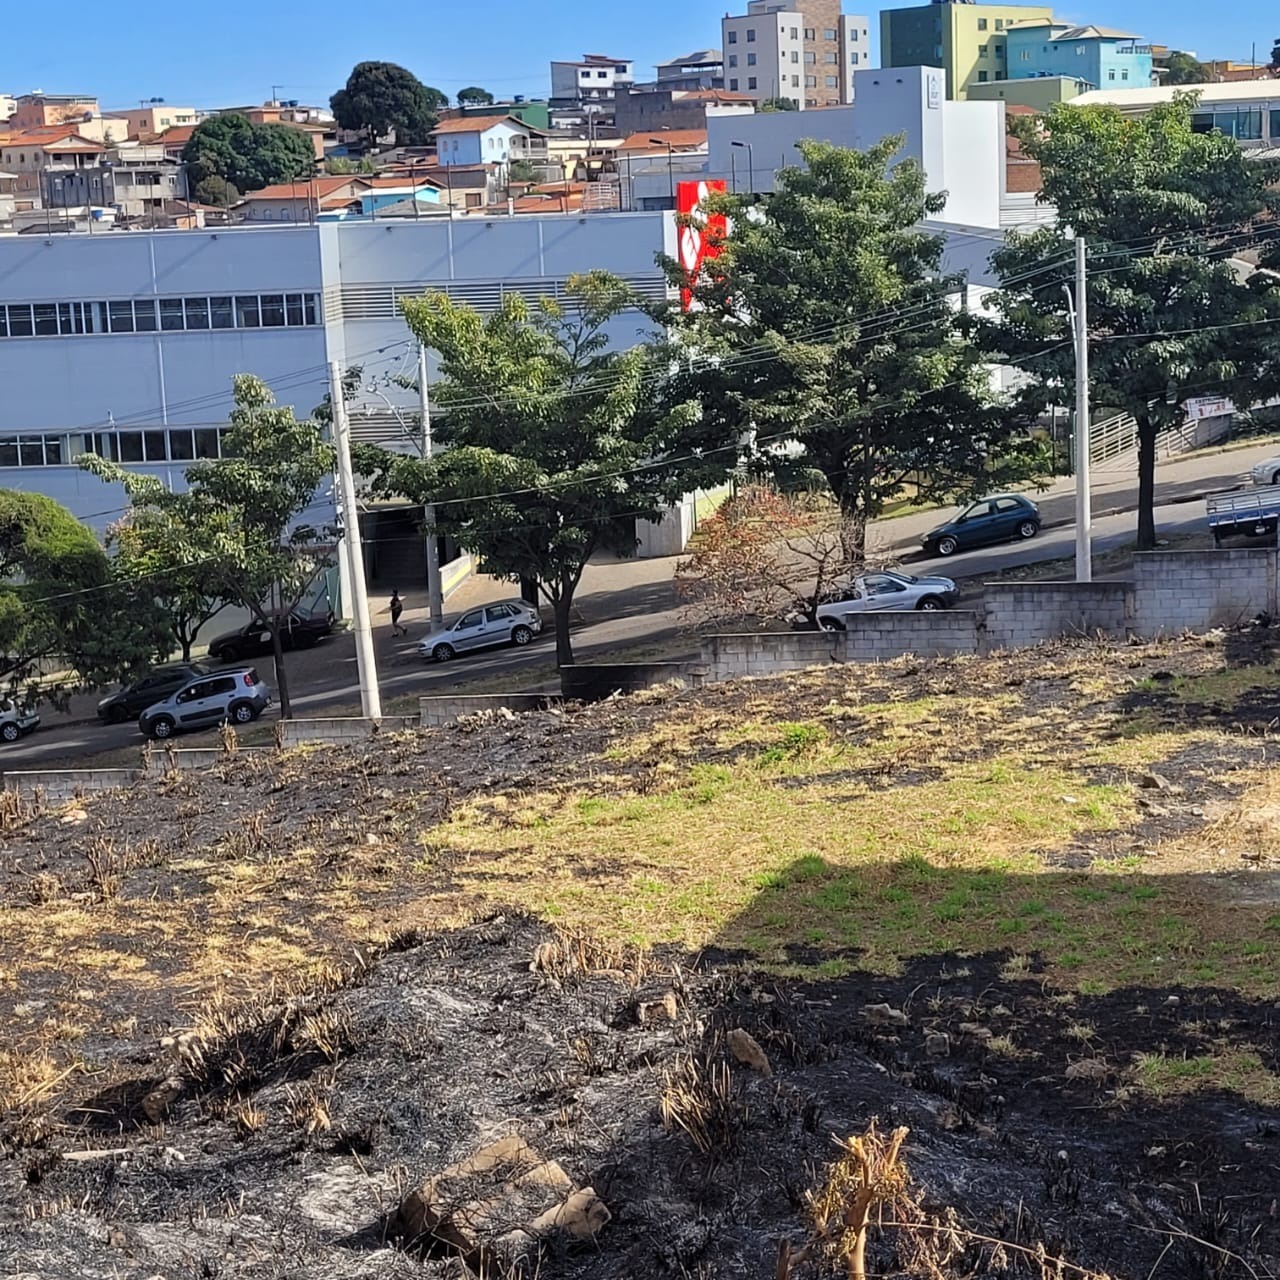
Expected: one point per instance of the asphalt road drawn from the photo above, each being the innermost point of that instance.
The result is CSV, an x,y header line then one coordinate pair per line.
x,y
324,678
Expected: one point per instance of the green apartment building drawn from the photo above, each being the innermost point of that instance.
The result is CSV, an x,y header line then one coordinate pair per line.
x,y
966,40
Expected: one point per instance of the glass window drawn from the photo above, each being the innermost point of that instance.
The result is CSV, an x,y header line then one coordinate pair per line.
x,y
272,310
982,24
121,316
4,322
104,444
828,34
984,52
751,35
498,612
130,446
751,59
1202,122
247,315
144,315
830,58
206,442
733,85
982,77
1275,126
733,37
999,24
66,321
795,55
197,312
30,451
222,312
1111,73
1249,124
20,321
52,451
293,308
46,319
171,314
153,445
832,81
733,60
310,306
181,446
468,620
751,82
8,452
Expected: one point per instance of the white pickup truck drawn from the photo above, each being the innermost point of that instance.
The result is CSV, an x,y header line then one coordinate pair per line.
x,y
1254,512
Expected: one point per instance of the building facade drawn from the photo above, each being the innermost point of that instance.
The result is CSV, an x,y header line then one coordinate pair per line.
x,y
701,69
493,140
1102,56
1248,111
583,92
968,41
1038,94
155,118
806,51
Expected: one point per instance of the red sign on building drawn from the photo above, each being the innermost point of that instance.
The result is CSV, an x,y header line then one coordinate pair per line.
x,y
699,233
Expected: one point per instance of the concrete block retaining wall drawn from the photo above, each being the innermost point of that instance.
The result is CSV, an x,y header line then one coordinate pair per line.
x,y
296,733
593,681
767,653
446,708
883,636
59,785
1175,591
1021,614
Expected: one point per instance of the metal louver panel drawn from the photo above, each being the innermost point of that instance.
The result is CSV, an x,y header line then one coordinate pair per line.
x,y
381,301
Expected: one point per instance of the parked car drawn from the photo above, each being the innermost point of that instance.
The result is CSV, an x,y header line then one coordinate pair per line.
x,y
508,622
232,697
16,721
886,590
999,517
1266,473
132,700
300,631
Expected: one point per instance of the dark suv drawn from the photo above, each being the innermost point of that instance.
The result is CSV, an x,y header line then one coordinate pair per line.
x,y
300,631
230,697
131,701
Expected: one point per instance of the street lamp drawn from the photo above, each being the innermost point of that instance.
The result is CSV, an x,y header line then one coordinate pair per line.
x,y
751,165
671,173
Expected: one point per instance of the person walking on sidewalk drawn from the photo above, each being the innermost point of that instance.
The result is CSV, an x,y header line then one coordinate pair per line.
x,y
397,608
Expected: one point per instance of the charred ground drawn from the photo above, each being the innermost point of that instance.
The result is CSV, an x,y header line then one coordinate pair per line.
x,y
245,1012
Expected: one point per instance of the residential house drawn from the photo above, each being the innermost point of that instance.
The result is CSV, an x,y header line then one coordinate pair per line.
x,y
8,182
8,106
336,197
651,165
538,114
1224,71
1039,94
701,69
41,160
966,40
583,92
144,180
155,117
42,110
1105,57
491,140
656,107
803,50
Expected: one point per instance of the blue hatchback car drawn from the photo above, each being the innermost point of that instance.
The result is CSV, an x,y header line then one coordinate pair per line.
x,y
1001,517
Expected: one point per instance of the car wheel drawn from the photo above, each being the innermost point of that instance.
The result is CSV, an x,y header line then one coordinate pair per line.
x,y
930,604
831,624
117,715
1028,529
162,727
521,636
443,653
947,546
228,653
10,732
242,713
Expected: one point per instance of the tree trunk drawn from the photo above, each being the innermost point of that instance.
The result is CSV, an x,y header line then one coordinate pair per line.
x,y
1147,431
282,680
184,642
563,604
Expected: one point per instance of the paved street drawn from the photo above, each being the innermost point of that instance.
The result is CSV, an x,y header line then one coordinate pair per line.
x,y
625,605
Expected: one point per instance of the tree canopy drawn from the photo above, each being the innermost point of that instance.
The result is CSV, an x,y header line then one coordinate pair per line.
x,y
215,191
1183,68
60,605
474,96
778,104
556,443
828,323
246,155
242,520
1164,210
380,97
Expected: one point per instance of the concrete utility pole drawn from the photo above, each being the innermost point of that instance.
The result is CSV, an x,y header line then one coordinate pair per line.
x,y
435,597
1084,500
370,697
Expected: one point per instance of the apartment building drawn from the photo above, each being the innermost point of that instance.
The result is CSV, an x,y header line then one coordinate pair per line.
x,y
1102,56
968,41
41,110
583,92
806,51
1248,110
8,106
155,117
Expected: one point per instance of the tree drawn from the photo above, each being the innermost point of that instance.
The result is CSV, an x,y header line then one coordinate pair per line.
x,y
247,155
380,97
1163,209
555,443
1182,68
764,555
1274,62
474,96
240,519
216,191
339,165
778,104
522,171
828,323
150,544
59,605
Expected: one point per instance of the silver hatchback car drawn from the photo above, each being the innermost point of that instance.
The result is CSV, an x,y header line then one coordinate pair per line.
x,y
507,622
235,697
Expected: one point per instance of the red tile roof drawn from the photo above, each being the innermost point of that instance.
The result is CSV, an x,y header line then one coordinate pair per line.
x,y
659,139
480,124
319,186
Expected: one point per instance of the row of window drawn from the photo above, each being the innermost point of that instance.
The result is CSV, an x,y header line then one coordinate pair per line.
x,y
811,82
1242,123
828,33
171,444
831,59
168,315
982,24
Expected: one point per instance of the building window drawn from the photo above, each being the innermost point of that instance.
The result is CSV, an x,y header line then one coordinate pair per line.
x,y
795,33
733,37
983,51
1111,75
982,77
853,58
795,82
751,35
733,86
832,82
830,59
828,34
795,55
1275,126
853,35
1025,55
982,24
751,59
809,33
811,82
999,24
810,59
1124,74
733,59
751,82
999,51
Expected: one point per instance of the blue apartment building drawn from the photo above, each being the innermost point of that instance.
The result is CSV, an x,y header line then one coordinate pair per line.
x,y
1102,56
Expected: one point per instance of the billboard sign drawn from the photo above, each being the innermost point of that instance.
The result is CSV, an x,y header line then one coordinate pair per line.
x,y
699,234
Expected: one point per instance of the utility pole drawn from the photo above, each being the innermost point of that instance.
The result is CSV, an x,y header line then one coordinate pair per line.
x,y
435,597
1084,501
370,697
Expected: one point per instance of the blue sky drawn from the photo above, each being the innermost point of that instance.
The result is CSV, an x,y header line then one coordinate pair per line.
x,y
234,51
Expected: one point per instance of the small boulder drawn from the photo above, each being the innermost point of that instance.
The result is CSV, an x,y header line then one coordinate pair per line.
x,y
937,1044
155,1106
884,1015
975,1031
1088,1069
665,1009
745,1048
